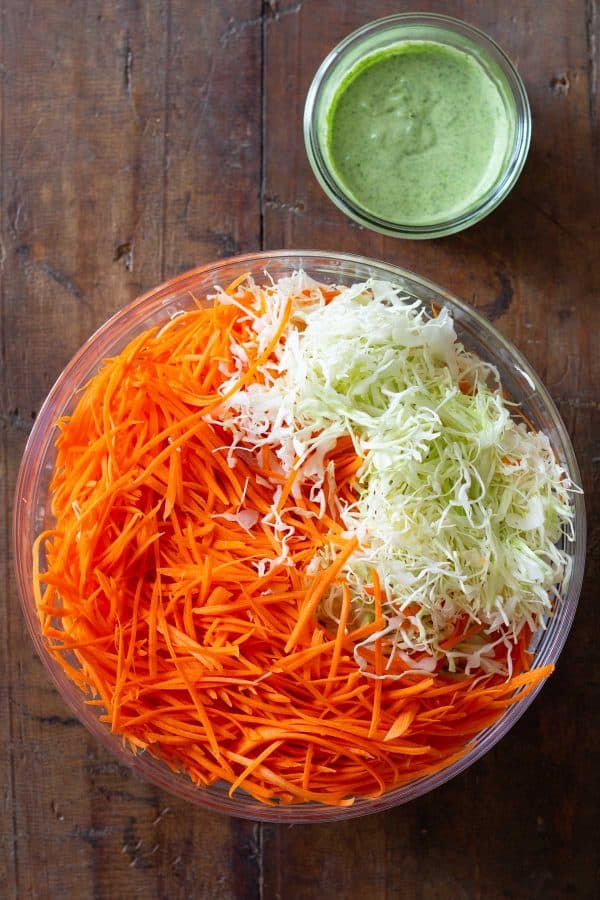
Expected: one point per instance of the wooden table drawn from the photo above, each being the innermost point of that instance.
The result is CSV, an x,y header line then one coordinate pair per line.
x,y
140,139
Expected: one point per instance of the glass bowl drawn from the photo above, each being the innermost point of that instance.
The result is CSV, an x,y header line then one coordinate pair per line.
x,y
32,503
385,33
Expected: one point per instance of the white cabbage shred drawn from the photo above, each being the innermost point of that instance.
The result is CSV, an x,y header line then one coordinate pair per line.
x,y
459,506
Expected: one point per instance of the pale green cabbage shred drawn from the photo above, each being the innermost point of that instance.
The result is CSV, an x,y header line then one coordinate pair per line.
x,y
460,507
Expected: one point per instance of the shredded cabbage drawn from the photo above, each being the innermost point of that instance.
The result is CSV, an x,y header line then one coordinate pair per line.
x,y
460,507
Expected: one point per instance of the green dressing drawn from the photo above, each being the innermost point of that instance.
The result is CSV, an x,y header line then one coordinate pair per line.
x,y
418,133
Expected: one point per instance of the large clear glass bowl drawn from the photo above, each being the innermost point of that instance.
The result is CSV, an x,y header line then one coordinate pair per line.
x,y
32,511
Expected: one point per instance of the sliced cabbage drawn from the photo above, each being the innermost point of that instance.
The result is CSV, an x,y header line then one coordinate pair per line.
x,y
459,506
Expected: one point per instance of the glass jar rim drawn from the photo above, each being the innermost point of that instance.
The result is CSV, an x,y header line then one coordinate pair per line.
x,y
488,201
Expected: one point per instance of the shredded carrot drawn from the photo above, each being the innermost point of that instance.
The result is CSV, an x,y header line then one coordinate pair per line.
x,y
198,642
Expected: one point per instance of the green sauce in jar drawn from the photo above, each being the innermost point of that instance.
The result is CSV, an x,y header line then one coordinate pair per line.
x,y
418,133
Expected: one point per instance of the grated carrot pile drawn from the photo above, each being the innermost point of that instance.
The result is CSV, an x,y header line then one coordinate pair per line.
x,y
179,617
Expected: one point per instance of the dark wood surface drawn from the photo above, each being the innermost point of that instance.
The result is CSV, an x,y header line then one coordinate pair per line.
x,y
139,139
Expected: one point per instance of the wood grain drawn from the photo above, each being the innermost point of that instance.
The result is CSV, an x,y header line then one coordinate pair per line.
x,y
139,139
118,169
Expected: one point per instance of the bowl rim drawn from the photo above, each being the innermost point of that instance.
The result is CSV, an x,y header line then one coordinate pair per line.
x,y
42,437
486,203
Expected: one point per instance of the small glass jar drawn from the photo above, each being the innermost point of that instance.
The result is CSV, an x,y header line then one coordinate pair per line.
x,y
381,35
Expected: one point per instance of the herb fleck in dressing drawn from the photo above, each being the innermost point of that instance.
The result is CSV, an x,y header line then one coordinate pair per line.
x,y
418,133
